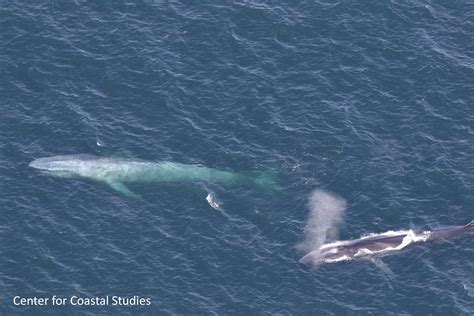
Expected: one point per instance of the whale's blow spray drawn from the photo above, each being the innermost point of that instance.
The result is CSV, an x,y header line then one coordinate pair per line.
x,y
324,220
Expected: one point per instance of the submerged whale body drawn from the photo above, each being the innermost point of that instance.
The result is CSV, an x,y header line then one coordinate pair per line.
x,y
117,172
378,244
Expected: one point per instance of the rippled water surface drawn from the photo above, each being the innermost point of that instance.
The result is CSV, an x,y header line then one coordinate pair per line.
x,y
372,101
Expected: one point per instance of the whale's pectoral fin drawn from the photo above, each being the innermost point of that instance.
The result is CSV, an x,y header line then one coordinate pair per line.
x,y
388,273
382,266
122,188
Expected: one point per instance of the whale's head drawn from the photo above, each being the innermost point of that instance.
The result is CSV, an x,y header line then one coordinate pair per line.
x,y
67,166
327,254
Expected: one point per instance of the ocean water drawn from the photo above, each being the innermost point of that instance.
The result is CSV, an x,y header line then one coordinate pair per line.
x,y
371,101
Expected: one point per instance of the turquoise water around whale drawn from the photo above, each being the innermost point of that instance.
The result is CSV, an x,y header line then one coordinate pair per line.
x,y
371,101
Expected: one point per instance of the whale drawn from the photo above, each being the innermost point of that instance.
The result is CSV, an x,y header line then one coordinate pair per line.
x,y
378,244
119,172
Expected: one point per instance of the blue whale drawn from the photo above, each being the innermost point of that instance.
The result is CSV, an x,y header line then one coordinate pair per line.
x,y
118,172
379,244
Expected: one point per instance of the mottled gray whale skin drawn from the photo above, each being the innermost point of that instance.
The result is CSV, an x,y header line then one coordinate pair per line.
x,y
379,244
117,172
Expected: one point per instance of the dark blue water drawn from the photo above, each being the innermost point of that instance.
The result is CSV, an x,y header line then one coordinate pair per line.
x,y
372,101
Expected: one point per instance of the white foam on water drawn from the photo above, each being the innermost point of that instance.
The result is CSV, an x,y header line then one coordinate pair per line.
x,y
410,238
341,258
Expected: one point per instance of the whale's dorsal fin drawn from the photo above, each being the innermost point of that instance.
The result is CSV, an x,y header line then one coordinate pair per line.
x,y
122,188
